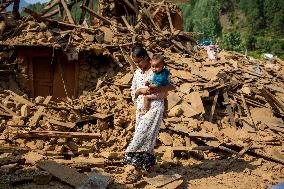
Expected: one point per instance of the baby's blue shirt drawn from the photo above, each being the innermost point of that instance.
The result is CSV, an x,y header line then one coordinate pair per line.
x,y
161,78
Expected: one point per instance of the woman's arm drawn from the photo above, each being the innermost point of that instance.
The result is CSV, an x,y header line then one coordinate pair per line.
x,y
141,91
161,89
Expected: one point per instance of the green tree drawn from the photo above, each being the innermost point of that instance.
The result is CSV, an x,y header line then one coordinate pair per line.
x,y
232,41
205,18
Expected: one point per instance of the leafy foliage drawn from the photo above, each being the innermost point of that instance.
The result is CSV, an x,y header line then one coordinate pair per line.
x,y
254,22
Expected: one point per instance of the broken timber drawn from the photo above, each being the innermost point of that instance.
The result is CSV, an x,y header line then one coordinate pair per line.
x,y
36,117
57,134
65,174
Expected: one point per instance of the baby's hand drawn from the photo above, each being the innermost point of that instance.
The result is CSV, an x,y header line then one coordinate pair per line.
x,y
147,83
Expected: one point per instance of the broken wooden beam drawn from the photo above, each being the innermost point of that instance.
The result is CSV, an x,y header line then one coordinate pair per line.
x,y
20,99
57,134
148,14
36,117
49,6
158,9
130,5
240,154
214,106
247,110
8,110
12,149
129,27
11,160
67,11
106,21
162,180
65,174
63,124
170,19
228,105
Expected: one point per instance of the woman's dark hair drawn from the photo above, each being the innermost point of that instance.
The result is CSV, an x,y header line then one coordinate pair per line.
x,y
139,52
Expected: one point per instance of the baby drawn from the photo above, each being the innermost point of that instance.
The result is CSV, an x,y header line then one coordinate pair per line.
x,y
160,78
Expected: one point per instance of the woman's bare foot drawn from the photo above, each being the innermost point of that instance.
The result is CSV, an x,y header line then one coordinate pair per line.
x,y
132,174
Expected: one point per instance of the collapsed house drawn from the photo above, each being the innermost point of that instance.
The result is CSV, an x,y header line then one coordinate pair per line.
x,y
61,60
221,109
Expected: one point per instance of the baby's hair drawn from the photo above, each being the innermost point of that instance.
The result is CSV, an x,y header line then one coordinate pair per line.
x,y
139,52
159,58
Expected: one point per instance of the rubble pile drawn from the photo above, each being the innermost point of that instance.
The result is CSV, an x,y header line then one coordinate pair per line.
x,y
222,109
217,109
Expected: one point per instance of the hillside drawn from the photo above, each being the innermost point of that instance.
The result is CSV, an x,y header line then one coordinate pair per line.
x,y
239,25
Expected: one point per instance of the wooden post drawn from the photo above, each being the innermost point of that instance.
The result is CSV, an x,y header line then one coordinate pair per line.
x,y
68,13
170,19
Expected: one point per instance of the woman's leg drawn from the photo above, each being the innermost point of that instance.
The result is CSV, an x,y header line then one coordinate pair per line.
x,y
146,105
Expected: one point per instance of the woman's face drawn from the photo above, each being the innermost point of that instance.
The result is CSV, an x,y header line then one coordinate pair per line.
x,y
141,63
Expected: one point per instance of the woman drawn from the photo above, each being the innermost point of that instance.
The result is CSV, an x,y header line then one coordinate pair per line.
x,y
140,152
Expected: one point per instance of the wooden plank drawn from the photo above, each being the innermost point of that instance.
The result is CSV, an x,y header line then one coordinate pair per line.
x,y
275,128
170,19
57,134
183,129
173,184
8,110
185,148
12,149
228,105
106,21
130,6
146,12
67,11
56,11
247,110
158,9
214,106
278,103
63,173
130,28
36,117
10,160
20,99
63,124
49,6
238,155
161,180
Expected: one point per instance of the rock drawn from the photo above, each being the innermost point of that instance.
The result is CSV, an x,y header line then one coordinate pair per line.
x,y
32,157
168,155
109,155
40,144
175,111
166,138
42,177
39,99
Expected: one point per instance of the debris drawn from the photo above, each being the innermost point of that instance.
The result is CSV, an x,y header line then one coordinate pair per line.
x,y
65,174
161,180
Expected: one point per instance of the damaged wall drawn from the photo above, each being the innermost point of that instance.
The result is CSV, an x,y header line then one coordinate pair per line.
x,y
38,73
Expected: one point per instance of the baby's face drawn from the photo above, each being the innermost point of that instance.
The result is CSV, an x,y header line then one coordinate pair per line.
x,y
157,66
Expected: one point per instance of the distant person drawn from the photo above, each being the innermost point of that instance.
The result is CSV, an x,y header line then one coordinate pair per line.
x,y
159,78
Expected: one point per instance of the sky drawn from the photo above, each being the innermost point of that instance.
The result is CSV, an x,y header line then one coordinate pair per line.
x,y
35,1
